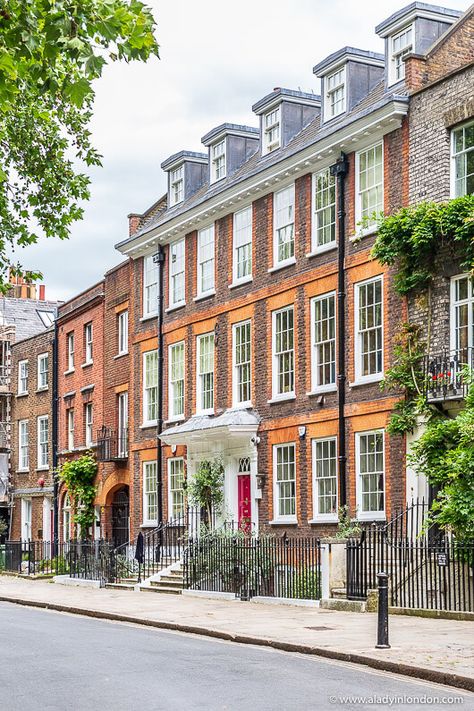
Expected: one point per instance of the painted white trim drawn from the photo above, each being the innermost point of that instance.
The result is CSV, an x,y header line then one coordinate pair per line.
x,y
21,391
241,282
326,102
171,416
147,521
427,14
328,387
40,357
212,290
122,317
391,54
146,260
40,466
373,377
27,445
276,396
319,517
276,518
290,260
210,410
452,172
212,160
176,304
146,422
235,402
369,515
168,470
282,265
236,281
370,229
315,249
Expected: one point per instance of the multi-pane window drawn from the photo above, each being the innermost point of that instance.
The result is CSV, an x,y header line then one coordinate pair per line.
x,y
176,380
324,206
122,332
66,518
283,352
175,486
370,474
150,287
402,44
150,498
89,423
369,328
463,160
150,387
176,185
218,166
242,362
271,130
325,478
43,371
284,225
324,341
70,351
335,93
26,517
23,460
284,472
242,244
370,185
88,342
206,260
22,377
462,316
176,272
70,428
43,442
122,419
205,373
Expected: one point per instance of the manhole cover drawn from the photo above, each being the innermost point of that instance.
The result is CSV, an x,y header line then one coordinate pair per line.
x,y
319,629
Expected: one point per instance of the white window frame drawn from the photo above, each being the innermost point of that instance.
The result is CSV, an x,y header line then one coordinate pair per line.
x,y
43,373
370,226
271,124
26,518
399,53
88,343
330,111
201,262
218,161
455,156
70,351
283,226
200,410
454,304
276,394
150,287
66,518
316,386
283,518
23,446
369,515
317,515
147,400
147,494
42,446
172,381
177,271
319,215
372,377
242,240
23,377
122,422
122,332
176,185
173,514
89,424
236,400
70,428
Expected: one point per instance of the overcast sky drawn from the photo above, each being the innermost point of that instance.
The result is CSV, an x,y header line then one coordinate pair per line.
x,y
217,59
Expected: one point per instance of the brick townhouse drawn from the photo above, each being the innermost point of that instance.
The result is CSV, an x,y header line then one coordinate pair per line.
x,y
277,324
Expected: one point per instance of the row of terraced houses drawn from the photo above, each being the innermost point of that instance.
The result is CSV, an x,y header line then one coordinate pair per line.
x,y
248,320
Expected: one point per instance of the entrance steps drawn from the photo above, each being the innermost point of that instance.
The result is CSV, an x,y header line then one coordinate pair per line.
x,y
170,581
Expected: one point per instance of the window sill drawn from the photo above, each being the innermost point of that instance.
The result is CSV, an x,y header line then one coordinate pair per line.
x,y
241,282
22,394
149,524
322,250
242,405
148,425
175,307
282,398
68,372
207,295
42,469
87,364
321,519
290,521
367,380
282,265
363,233
22,471
322,390
120,355
42,390
204,413
148,317
174,420
373,516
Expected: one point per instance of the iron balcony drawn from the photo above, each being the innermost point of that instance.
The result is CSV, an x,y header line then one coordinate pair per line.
x,y
448,374
112,445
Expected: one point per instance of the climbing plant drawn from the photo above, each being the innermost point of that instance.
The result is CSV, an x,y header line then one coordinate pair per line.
x,y
206,488
79,476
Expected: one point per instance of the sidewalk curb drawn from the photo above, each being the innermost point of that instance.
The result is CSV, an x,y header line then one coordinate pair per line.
x,y
438,677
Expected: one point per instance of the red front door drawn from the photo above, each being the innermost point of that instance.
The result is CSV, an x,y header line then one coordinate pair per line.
x,y
245,511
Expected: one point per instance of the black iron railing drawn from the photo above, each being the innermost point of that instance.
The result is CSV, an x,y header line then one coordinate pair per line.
x,y
446,374
112,445
250,566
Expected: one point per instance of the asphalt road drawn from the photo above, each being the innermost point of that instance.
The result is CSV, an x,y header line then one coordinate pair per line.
x,y
53,661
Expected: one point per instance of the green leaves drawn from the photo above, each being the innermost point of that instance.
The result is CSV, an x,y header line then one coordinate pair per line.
x,y
79,476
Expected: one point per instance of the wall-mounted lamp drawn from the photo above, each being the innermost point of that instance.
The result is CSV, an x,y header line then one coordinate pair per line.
x,y
302,432
261,479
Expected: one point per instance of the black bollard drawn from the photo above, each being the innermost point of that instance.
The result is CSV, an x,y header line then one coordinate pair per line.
x,y
382,623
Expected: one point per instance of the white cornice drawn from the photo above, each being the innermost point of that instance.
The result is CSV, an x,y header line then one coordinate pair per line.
x,y
400,22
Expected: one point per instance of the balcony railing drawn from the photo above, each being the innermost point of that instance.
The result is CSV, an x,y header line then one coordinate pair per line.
x,y
5,373
446,374
5,428
112,445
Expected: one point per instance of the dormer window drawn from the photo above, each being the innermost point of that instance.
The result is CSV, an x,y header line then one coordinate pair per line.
x,y
401,45
336,93
271,130
218,161
177,185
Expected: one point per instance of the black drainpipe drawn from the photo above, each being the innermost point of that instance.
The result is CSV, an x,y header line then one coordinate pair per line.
x,y
339,170
54,435
159,259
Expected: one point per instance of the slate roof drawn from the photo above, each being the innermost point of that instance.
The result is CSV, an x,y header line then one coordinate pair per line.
x,y
24,315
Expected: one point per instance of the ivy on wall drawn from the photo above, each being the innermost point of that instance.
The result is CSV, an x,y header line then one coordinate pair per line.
x,y
79,477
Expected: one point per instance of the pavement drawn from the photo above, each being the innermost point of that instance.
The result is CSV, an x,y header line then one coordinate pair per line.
x,y
51,662
436,650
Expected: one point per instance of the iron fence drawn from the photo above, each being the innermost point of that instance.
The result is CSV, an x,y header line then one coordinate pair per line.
x,y
249,566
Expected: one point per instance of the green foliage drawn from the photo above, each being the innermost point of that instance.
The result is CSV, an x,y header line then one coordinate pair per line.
x,y
412,238
79,476
58,565
307,585
3,527
206,488
347,528
51,52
